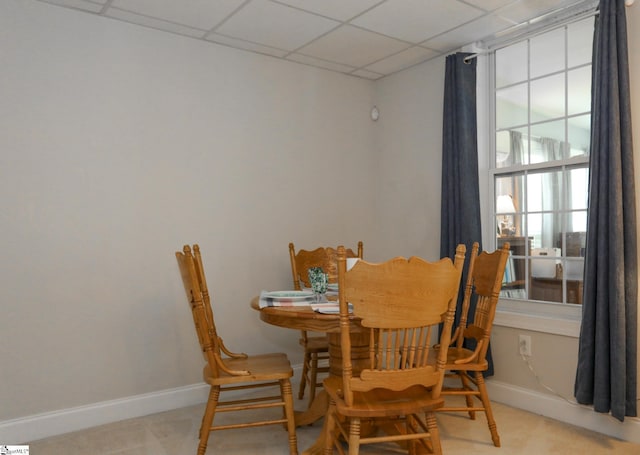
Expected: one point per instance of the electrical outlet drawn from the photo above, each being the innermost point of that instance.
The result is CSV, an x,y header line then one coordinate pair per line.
x,y
524,345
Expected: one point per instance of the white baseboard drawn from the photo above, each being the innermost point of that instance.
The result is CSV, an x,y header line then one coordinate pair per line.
x,y
559,409
34,427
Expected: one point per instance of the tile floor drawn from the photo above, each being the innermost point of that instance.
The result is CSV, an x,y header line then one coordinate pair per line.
x,y
175,433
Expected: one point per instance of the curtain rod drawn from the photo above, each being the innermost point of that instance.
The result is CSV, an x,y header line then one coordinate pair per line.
x,y
584,14
468,58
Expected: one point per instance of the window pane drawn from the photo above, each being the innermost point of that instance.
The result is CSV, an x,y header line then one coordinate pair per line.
x,y
544,191
573,273
511,106
511,64
579,134
547,53
511,186
573,243
573,248
580,42
547,142
515,273
544,229
534,228
550,233
547,98
512,147
544,263
577,188
579,86
578,221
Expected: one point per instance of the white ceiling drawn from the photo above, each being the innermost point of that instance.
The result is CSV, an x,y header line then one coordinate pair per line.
x,y
364,38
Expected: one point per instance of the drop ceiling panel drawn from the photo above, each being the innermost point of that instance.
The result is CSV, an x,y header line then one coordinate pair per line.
x,y
489,5
320,63
353,46
93,7
154,23
365,38
341,10
275,25
468,33
416,20
202,14
525,10
246,45
402,60
367,74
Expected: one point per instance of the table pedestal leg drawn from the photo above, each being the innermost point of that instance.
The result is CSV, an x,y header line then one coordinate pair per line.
x,y
316,411
359,357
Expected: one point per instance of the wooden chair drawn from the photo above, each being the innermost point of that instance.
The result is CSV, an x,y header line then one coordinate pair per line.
x,y
316,348
235,371
401,302
484,281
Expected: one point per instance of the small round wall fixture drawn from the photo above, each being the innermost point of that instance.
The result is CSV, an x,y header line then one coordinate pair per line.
x,y
375,113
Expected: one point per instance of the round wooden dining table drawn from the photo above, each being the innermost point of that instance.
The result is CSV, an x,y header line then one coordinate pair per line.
x,y
304,318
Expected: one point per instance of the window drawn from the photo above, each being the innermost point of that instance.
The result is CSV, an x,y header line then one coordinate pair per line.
x,y
540,171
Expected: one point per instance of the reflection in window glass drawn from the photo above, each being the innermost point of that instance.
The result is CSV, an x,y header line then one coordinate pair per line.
x,y
511,64
576,222
547,98
579,86
577,188
512,187
547,53
579,134
511,106
579,42
512,147
544,191
547,142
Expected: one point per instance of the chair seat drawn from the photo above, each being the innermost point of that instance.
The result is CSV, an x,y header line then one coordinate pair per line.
x,y
315,344
264,367
381,402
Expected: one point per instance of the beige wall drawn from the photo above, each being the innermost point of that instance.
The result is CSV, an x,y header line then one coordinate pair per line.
x,y
120,144
408,147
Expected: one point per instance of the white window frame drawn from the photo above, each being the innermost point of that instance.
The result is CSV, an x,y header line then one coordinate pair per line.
x,y
560,319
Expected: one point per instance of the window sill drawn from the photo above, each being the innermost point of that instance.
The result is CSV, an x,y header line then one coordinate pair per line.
x,y
540,317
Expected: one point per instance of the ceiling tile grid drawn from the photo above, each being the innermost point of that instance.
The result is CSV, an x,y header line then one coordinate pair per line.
x,y
362,38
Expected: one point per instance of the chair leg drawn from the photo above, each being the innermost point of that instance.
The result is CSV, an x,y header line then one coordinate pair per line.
x,y
207,419
432,425
484,396
330,429
354,436
411,427
313,377
305,374
466,385
287,395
